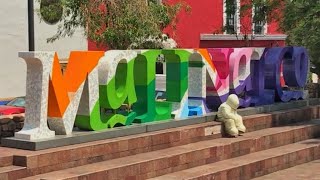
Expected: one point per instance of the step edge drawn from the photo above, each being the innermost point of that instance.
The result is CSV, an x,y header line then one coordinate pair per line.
x,y
11,168
246,163
129,164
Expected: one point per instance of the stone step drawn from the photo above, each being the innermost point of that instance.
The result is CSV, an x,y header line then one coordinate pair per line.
x,y
253,165
7,156
79,137
12,172
155,163
6,160
308,171
54,159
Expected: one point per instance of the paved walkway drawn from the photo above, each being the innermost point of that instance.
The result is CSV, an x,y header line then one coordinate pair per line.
x,y
308,171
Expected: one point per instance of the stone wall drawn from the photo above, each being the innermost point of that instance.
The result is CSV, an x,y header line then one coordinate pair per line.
x,y
10,124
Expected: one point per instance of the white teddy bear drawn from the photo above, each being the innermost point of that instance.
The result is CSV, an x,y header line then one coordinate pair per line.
x,y
227,113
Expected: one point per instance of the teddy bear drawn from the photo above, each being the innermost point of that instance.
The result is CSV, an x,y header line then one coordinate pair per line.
x,y
227,113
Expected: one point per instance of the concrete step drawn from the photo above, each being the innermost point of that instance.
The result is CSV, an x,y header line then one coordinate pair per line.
x,y
253,165
160,162
12,172
54,159
308,171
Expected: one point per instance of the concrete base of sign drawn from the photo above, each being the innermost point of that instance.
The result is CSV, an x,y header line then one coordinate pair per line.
x,y
87,136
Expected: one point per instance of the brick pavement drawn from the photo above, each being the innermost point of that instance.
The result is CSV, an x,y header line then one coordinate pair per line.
x,y
308,171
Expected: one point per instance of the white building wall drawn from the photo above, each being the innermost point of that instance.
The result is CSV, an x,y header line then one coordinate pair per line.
x,y
14,38
63,46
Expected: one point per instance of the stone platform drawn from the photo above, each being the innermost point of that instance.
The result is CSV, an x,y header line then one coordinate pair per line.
x,y
79,137
274,141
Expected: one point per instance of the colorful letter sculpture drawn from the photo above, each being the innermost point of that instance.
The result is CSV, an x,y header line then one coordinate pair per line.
x,y
39,68
146,107
96,86
290,58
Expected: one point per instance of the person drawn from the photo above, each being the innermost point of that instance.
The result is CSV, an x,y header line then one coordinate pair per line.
x,y
227,113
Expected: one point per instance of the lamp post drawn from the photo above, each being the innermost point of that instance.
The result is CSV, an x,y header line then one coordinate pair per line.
x,y
31,25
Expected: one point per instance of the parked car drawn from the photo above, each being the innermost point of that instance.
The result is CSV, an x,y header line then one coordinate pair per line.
x,y
15,106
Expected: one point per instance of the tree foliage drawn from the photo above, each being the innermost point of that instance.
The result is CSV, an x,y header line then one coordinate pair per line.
x,y
51,11
301,23
299,19
118,24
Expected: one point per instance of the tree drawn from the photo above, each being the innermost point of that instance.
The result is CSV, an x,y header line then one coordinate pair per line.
x,y
301,23
118,24
299,19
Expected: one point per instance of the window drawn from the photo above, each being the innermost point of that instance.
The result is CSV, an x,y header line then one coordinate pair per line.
x,y
259,20
231,16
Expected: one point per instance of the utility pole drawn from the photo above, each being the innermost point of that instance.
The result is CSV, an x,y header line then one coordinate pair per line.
x,y
31,25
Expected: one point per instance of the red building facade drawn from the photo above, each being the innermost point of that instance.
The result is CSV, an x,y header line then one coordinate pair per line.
x,y
203,27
